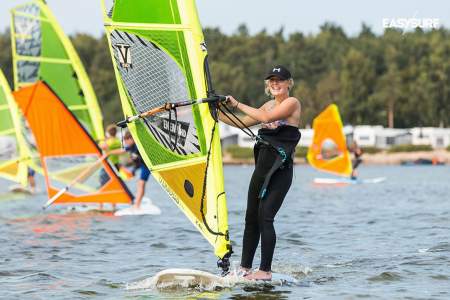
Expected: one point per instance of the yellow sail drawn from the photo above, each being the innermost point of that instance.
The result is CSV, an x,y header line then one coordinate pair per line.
x,y
160,56
328,151
14,151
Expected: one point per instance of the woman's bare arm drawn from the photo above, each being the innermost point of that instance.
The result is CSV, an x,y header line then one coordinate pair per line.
x,y
279,112
246,120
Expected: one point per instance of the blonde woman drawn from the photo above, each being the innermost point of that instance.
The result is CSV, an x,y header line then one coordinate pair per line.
x,y
273,172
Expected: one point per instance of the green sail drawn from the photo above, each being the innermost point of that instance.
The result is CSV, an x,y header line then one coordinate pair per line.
x,y
159,54
41,51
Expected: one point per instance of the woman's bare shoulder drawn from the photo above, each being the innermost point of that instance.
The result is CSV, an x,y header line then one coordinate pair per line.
x,y
293,100
268,104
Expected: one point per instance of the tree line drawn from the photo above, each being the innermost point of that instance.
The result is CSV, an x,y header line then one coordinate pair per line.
x,y
395,79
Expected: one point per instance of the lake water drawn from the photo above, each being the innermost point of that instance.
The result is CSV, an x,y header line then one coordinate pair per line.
x,y
374,241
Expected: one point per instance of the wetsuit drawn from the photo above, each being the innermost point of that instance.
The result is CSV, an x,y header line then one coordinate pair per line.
x,y
138,162
269,185
357,160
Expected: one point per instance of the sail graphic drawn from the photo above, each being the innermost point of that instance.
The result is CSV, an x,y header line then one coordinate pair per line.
x,y
41,51
159,55
14,151
328,151
67,150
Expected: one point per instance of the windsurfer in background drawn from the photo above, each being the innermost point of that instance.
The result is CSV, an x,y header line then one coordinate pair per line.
x,y
357,153
144,172
112,143
272,177
109,144
31,179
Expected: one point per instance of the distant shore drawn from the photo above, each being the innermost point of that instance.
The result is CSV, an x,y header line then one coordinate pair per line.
x,y
381,158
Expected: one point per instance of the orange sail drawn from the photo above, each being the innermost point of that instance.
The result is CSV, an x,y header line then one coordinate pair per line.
x,y
68,153
328,151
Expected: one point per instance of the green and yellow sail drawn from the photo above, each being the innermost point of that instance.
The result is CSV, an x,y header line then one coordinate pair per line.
x,y
41,51
159,55
14,151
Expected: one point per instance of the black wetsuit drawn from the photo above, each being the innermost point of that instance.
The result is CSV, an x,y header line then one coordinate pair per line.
x,y
357,160
265,195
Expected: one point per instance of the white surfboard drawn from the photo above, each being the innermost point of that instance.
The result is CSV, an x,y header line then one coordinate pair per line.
x,y
19,189
190,278
343,180
147,208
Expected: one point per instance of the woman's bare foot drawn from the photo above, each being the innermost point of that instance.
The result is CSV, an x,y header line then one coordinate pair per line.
x,y
259,275
242,272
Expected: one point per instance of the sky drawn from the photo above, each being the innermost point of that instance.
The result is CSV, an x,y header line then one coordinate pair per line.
x,y
293,15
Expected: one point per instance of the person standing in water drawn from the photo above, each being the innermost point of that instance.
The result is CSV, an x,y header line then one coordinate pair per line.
x,y
112,143
31,179
109,144
144,172
272,177
357,153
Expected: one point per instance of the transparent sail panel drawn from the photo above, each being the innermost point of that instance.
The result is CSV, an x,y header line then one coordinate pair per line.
x,y
109,4
8,149
152,78
86,170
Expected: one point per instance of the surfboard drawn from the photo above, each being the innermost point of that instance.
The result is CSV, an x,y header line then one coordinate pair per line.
x,y
343,180
191,278
147,208
19,189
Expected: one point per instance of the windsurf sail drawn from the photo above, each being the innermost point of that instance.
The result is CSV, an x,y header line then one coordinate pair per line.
x,y
160,60
41,51
328,151
14,154
67,151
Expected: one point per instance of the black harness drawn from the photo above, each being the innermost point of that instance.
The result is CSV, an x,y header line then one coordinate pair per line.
x,y
283,141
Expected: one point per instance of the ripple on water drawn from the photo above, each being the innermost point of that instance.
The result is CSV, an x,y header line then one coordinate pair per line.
x,y
440,277
159,245
385,277
441,247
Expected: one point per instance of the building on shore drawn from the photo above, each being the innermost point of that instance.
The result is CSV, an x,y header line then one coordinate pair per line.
x,y
365,135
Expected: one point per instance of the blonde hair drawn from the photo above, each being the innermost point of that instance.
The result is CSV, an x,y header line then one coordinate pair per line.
x,y
267,89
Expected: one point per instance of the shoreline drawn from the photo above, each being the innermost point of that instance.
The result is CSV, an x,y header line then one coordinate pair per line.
x,y
381,158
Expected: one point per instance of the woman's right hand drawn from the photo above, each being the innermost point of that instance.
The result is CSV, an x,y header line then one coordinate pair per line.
x,y
233,103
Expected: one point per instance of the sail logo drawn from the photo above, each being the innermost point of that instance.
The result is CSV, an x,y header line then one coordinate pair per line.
x,y
176,129
124,55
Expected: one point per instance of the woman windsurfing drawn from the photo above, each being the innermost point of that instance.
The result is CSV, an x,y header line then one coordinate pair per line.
x,y
273,172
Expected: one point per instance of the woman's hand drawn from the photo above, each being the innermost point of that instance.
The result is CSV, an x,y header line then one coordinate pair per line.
x,y
233,103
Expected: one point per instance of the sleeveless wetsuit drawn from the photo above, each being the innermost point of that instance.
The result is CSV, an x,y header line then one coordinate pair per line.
x,y
357,160
269,185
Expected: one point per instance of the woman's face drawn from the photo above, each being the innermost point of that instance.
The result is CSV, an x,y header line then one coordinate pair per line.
x,y
278,86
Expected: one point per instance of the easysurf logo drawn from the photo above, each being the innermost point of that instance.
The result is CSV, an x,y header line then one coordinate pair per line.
x,y
411,23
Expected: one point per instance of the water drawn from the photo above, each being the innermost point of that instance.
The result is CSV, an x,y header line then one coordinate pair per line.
x,y
373,241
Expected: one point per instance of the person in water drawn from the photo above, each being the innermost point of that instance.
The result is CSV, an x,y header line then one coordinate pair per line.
x,y
144,172
112,143
109,144
272,177
31,179
357,153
